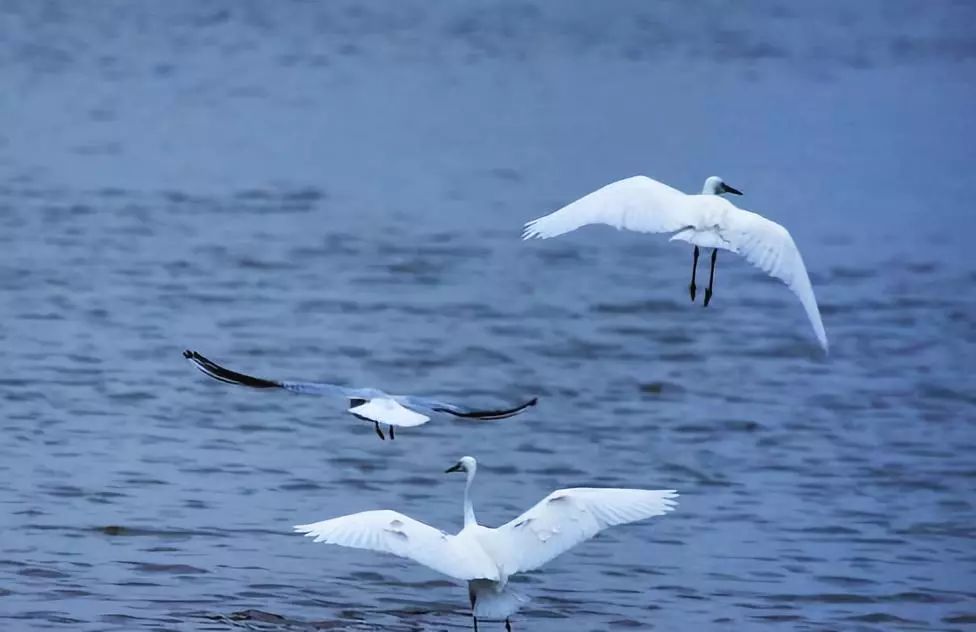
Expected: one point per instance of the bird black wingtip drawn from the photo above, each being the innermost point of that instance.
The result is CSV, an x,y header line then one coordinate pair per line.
x,y
490,415
224,374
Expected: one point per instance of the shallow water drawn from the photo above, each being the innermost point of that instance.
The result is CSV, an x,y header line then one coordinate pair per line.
x,y
336,192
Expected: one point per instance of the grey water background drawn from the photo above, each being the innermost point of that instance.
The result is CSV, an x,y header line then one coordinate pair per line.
x,y
335,191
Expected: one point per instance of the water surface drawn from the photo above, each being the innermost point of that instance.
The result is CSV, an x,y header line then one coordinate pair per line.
x,y
335,191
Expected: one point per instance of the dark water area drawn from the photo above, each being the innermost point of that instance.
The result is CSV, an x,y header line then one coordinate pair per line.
x,y
336,191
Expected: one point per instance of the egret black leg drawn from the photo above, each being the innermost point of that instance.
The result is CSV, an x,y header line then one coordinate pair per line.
x,y
508,625
376,426
475,619
711,278
392,436
694,268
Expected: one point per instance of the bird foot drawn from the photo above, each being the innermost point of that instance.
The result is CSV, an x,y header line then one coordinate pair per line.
x,y
692,289
392,436
708,296
508,626
379,432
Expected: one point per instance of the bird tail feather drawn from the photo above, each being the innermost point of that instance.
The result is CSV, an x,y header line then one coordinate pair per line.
x,y
490,601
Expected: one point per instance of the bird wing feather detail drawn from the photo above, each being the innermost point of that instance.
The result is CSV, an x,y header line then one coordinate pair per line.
x,y
638,203
223,374
567,517
464,412
389,531
770,247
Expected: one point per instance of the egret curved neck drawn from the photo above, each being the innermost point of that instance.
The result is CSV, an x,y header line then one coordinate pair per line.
x,y
469,519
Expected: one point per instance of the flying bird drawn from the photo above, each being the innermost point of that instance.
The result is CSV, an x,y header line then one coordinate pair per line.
x,y
706,220
368,404
484,557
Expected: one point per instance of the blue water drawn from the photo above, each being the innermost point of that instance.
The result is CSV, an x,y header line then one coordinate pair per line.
x,y
336,190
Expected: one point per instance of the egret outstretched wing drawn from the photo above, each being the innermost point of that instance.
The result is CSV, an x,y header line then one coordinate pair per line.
x,y
392,532
638,203
768,246
567,517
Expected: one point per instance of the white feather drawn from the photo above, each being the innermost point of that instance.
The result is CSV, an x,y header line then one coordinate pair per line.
x,y
638,203
648,206
493,600
487,557
567,517
392,532
770,247
387,411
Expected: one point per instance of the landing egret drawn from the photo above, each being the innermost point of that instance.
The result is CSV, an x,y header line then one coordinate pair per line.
x,y
707,220
368,404
486,557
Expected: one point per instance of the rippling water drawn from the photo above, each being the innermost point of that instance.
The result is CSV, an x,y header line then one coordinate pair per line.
x,y
335,191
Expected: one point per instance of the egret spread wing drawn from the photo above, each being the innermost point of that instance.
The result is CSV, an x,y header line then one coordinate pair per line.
x,y
224,374
392,532
567,517
387,411
638,203
768,246
464,412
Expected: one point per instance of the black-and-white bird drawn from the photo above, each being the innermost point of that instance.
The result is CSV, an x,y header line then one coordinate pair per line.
x,y
486,557
368,404
706,220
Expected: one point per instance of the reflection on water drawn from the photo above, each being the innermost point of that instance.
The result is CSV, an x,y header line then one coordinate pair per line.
x,y
336,191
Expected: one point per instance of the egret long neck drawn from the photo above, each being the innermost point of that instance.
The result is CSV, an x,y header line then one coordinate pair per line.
x,y
469,519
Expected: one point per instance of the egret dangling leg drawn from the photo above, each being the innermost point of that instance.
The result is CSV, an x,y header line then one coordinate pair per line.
x,y
694,268
475,619
508,625
376,426
711,278
392,436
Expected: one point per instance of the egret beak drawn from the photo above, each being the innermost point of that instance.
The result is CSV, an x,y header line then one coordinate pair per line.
x,y
727,189
456,468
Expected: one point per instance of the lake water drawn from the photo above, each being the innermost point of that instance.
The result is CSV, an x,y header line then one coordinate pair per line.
x,y
336,190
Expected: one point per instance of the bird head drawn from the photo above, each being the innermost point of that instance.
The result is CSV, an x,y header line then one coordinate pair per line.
x,y
716,186
466,464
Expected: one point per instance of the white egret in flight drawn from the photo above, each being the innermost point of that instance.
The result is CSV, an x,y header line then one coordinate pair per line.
x,y
706,220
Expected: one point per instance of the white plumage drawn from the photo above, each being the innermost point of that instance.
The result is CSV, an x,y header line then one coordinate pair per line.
x,y
567,517
388,411
707,220
390,531
486,557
